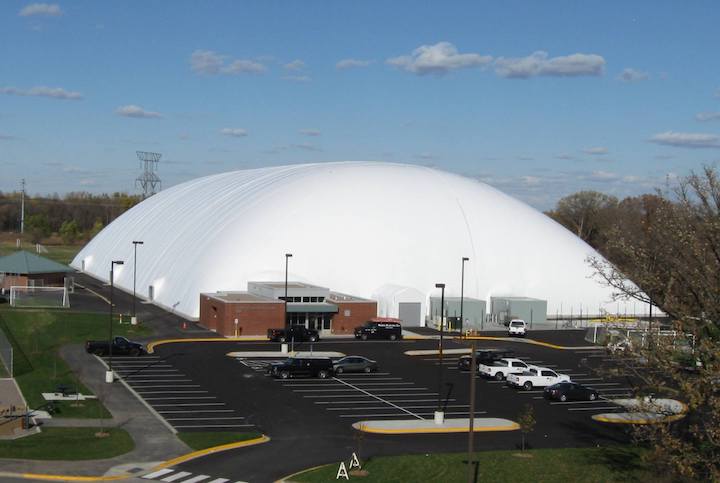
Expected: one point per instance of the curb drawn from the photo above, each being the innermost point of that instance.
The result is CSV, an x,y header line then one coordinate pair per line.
x,y
172,462
151,345
457,429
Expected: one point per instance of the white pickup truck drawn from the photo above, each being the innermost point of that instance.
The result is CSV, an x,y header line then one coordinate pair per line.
x,y
500,369
536,377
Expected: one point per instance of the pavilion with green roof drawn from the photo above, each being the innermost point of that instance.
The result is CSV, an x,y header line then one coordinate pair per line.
x,y
28,269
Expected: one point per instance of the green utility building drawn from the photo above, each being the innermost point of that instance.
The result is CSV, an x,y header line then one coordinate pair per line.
x,y
474,311
528,309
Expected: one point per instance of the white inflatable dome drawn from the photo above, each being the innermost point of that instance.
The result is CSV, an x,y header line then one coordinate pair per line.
x,y
375,230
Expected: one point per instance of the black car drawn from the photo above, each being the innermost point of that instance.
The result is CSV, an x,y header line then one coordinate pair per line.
x,y
321,367
297,333
379,330
570,391
484,356
354,364
120,347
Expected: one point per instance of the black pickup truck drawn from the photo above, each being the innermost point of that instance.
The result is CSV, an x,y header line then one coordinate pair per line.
x,y
298,333
120,347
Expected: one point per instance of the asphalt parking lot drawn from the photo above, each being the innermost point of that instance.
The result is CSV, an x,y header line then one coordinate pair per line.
x,y
181,401
316,415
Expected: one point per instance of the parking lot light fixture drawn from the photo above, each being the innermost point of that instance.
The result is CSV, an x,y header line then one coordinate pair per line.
x,y
135,244
462,289
287,258
109,375
439,415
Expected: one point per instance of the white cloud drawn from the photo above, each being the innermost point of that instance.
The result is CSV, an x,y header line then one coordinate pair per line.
x,y
596,151
306,147
687,140
244,67
295,65
131,110
309,132
632,75
42,91
352,63
707,116
211,63
42,9
602,176
234,132
206,62
538,64
298,78
565,156
440,58
88,182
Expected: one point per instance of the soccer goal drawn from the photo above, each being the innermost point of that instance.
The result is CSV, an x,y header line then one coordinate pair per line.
x,y
23,296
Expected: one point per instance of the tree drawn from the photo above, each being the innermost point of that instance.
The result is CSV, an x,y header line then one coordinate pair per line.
x,y
526,420
96,228
672,260
69,231
588,214
38,227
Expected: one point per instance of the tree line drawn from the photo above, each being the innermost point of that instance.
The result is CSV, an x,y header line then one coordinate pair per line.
x,y
664,248
74,217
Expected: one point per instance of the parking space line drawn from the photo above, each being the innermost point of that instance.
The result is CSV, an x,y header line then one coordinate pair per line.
x,y
167,385
396,414
372,402
373,395
205,419
565,403
366,374
585,379
171,392
158,380
180,397
144,369
571,374
147,376
407,407
374,378
190,411
217,426
608,384
189,404
357,388
380,399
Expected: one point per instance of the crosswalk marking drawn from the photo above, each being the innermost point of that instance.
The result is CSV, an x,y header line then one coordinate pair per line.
x,y
157,473
196,479
177,476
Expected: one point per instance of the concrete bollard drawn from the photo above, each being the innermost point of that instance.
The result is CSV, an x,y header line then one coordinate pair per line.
x,y
439,417
109,377
284,348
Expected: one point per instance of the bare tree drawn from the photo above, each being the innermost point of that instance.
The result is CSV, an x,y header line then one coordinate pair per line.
x,y
670,257
588,214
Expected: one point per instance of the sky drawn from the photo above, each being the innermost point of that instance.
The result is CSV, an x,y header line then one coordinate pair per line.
x,y
539,99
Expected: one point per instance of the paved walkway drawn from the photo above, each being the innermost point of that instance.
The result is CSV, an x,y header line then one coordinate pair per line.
x,y
154,442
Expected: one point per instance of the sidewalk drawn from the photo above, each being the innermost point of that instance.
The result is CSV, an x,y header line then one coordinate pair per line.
x,y
154,442
418,426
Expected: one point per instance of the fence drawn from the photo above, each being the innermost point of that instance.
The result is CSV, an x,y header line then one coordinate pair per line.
x,y
6,355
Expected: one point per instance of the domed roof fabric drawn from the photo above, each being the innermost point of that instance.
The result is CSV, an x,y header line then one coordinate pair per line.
x,y
355,227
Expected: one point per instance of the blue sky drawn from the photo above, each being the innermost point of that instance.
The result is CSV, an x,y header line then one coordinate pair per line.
x,y
540,99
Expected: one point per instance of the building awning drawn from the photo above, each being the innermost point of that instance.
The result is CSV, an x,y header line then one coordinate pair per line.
x,y
26,263
324,307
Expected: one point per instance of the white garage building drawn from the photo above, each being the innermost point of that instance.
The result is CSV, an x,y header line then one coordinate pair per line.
x,y
389,232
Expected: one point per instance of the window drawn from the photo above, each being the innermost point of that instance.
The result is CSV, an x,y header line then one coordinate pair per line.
x,y
296,299
306,299
313,299
548,373
321,299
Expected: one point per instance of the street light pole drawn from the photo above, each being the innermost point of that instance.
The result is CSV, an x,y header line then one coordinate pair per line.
x,y
135,244
462,289
471,419
109,375
439,415
287,257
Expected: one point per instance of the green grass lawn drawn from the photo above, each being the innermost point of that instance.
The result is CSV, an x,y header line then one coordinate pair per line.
x,y
37,335
616,464
68,444
202,440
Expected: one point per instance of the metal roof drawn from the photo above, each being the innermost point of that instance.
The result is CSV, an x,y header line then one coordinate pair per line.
x,y
26,263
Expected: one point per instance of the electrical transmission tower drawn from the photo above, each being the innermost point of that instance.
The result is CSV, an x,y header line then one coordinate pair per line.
x,y
149,180
22,207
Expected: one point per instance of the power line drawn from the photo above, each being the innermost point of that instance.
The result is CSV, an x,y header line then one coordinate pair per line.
x,y
149,180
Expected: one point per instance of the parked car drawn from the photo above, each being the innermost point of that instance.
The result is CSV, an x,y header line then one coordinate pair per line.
x,y
517,327
536,377
379,330
500,369
120,347
354,364
484,356
570,391
298,333
321,367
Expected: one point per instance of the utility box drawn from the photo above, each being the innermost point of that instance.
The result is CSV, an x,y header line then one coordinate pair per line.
x,y
473,313
530,310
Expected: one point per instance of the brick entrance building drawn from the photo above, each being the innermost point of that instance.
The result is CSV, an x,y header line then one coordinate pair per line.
x,y
262,307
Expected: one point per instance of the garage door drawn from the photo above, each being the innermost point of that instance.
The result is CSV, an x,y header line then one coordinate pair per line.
x,y
410,313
